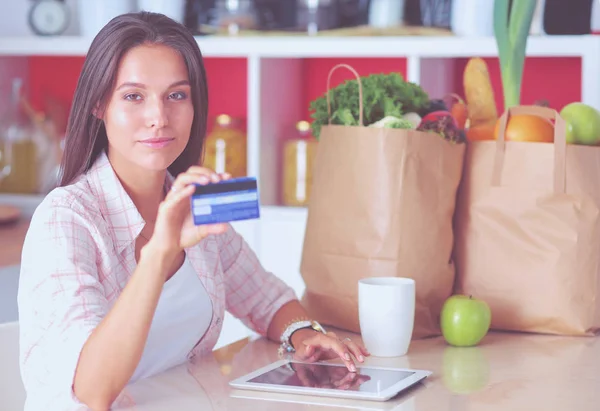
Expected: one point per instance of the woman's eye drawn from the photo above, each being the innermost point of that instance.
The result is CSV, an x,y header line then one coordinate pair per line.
x,y
178,95
132,97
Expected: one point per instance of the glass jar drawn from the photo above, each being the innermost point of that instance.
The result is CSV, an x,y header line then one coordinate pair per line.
x,y
225,148
314,16
298,158
18,159
235,15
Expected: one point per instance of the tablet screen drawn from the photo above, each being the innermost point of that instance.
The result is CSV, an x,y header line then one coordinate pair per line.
x,y
332,376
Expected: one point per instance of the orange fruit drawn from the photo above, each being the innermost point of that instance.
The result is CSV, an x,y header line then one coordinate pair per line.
x,y
460,113
481,131
525,127
458,109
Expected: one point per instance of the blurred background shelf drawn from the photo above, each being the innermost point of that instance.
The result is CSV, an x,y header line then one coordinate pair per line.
x,y
325,46
269,82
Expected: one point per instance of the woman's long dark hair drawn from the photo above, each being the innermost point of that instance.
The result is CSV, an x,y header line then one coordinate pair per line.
x,y
86,135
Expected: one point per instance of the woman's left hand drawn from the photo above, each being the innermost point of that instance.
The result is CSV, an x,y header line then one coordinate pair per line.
x,y
312,346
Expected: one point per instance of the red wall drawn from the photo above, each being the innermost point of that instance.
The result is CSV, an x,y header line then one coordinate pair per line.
x,y
57,77
317,70
555,79
53,76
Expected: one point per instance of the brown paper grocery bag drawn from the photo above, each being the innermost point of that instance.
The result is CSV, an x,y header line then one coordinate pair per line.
x,y
382,204
528,231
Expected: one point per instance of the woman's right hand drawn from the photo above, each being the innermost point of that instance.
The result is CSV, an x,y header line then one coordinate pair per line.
x,y
175,229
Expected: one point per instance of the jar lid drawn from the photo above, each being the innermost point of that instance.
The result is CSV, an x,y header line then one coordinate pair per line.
x,y
303,126
223,120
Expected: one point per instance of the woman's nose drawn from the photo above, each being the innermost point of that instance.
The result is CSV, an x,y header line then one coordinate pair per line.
x,y
156,114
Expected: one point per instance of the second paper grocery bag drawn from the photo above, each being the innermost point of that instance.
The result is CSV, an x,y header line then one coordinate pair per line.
x,y
382,204
528,231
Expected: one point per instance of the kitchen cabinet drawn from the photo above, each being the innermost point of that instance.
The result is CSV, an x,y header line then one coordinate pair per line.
x,y
269,81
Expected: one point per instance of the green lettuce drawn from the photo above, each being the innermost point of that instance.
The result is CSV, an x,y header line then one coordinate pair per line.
x,y
384,95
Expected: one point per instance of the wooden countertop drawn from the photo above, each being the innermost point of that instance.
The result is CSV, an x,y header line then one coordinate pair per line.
x,y
11,242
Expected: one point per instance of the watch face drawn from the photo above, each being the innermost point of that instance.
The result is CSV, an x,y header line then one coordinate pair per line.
x,y
48,17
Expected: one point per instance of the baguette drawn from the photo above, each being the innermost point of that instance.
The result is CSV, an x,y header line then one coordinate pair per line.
x,y
479,93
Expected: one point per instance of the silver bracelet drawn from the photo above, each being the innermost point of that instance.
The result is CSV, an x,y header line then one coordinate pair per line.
x,y
286,346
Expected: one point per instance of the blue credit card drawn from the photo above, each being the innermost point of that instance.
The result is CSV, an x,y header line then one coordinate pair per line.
x,y
230,200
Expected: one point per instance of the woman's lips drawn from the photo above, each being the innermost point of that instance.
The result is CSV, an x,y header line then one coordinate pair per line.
x,y
160,142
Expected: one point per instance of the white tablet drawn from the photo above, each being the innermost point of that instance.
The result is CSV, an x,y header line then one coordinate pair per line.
x,y
331,380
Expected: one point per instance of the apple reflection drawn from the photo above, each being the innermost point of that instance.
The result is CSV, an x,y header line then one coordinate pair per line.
x,y
465,370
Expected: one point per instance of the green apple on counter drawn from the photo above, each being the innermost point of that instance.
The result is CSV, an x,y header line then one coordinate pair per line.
x,y
583,124
465,320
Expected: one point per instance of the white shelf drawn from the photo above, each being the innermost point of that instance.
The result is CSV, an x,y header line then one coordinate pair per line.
x,y
275,88
304,47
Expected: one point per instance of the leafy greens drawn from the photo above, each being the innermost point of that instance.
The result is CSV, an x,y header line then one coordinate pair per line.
x,y
383,95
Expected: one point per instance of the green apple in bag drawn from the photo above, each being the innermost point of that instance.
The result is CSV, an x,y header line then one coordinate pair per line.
x,y
582,123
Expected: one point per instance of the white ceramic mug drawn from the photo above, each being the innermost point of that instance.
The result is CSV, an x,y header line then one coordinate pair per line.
x,y
386,307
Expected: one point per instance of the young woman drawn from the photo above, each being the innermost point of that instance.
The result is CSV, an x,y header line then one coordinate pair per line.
x,y
116,282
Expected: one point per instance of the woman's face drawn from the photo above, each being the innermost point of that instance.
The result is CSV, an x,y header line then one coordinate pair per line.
x,y
150,113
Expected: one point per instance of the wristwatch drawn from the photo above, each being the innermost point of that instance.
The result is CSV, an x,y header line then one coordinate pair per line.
x,y
286,345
